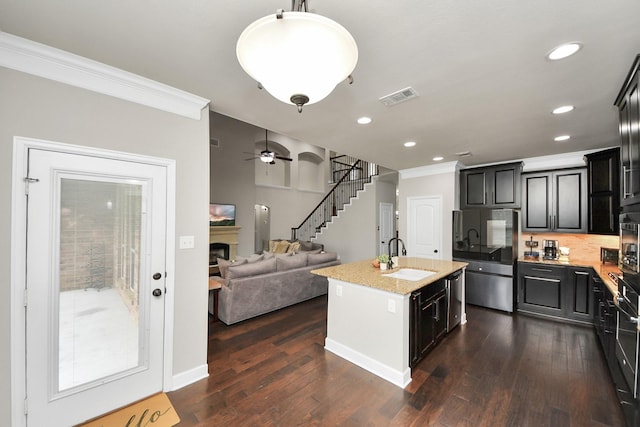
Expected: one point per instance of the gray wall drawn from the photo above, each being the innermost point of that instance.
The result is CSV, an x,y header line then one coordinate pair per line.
x,y
442,184
354,234
232,178
38,108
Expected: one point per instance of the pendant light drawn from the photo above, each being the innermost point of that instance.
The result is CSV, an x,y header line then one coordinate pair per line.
x,y
298,57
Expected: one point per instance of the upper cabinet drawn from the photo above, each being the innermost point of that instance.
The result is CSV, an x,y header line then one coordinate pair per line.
x,y
555,201
603,176
495,186
628,103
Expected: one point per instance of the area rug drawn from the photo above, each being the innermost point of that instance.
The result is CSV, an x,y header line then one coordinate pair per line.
x,y
154,411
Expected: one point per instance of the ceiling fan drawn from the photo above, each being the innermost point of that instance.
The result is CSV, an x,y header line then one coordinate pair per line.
x,y
268,156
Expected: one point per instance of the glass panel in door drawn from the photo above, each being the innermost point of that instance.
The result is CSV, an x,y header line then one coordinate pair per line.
x,y
100,246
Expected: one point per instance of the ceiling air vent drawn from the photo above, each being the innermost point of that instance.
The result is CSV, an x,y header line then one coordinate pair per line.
x,y
399,96
214,142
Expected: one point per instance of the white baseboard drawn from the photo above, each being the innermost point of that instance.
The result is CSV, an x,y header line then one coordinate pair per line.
x,y
191,376
395,377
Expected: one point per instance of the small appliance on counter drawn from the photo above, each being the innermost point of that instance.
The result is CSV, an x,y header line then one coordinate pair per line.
x,y
609,255
550,248
564,254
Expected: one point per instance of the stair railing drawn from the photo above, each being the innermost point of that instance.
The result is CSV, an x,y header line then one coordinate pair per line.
x,y
356,174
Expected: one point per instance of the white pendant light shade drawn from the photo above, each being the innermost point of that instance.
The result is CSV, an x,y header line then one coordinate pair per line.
x,y
300,54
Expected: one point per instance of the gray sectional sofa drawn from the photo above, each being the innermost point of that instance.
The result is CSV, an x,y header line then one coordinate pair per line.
x,y
264,283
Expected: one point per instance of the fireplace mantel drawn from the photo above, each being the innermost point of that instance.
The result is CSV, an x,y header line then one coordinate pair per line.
x,y
225,234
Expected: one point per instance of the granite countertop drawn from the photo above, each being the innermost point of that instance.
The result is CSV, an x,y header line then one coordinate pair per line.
x,y
595,263
365,274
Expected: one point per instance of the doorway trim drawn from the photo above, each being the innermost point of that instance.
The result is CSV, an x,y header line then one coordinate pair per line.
x,y
21,145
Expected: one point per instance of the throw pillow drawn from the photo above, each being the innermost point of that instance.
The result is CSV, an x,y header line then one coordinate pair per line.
x,y
224,264
294,247
253,269
289,262
321,257
281,247
269,255
251,258
306,246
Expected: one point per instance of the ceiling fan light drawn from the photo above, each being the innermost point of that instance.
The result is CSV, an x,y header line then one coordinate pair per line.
x,y
267,157
302,54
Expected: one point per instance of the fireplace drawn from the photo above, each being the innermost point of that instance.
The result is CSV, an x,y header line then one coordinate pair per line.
x,y
218,250
223,243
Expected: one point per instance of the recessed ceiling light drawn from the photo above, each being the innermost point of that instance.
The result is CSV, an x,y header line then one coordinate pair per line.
x,y
364,120
563,109
564,50
562,138
409,144
437,158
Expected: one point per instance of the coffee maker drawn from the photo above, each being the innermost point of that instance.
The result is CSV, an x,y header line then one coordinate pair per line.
x,y
550,248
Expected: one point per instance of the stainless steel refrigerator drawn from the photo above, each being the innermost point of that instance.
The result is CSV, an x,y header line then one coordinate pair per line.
x,y
488,240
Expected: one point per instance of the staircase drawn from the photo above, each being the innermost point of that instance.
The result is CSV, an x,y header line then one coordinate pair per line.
x,y
350,176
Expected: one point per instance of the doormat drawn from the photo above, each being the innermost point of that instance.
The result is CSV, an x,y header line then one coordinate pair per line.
x,y
154,411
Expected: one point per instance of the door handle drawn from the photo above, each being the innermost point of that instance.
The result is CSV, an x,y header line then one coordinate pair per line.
x,y
435,251
157,276
156,292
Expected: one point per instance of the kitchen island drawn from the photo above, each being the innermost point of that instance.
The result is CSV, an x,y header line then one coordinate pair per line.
x,y
369,314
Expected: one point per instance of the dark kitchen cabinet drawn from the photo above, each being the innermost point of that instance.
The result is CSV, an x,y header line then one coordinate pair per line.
x,y
428,320
540,289
491,187
603,188
579,297
555,201
628,103
557,291
604,311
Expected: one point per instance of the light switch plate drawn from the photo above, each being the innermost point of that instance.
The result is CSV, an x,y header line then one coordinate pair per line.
x,y
187,242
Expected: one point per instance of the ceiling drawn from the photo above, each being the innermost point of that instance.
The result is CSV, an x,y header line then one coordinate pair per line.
x,y
479,69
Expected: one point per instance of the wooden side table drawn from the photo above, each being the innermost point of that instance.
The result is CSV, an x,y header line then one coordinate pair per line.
x,y
214,289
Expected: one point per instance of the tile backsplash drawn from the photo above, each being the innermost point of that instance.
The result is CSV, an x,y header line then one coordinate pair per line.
x,y
581,246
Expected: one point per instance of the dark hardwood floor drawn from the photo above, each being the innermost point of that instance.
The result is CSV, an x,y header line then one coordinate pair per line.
x,y
497,370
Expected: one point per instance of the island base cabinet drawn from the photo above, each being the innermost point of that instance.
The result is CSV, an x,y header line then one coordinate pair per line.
x,y
428,320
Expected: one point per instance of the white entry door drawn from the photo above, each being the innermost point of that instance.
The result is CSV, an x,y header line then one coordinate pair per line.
x,y
424,227
386,227
96,237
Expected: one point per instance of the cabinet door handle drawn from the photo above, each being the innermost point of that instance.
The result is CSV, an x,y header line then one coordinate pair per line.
x,y
542,278
625,173
546,270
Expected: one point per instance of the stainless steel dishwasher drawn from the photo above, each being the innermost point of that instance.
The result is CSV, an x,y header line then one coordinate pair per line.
x,y
453,286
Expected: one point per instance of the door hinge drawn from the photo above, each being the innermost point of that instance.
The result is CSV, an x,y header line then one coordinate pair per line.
x,y
28,181
26,408
25,297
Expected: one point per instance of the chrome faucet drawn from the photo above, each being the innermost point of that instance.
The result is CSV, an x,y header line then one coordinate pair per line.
x,y
404,251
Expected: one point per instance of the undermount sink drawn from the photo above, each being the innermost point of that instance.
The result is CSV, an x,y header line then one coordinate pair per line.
x,y
410,274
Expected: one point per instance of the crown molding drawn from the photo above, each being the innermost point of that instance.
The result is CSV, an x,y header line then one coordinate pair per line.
x,y
50,63
448,167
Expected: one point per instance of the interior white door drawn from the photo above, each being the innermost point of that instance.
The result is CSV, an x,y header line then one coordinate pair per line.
x,y
96,237
385,226
424,227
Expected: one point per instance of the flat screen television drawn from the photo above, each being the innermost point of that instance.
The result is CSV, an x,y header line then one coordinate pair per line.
x,y
222,215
